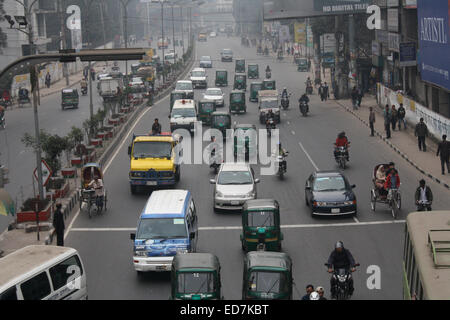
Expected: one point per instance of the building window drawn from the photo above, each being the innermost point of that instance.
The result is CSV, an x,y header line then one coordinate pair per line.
x,y
41,25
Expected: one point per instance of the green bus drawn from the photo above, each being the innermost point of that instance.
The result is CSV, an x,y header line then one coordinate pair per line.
x,y
426,258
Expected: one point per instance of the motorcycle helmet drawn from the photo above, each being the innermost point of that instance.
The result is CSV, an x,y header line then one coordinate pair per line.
x,y
339,244
314,296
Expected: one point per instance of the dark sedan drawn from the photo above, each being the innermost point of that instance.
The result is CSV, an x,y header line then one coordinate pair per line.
x,y
328,193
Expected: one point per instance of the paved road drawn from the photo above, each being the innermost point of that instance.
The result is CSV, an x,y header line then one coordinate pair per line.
x,y
373,237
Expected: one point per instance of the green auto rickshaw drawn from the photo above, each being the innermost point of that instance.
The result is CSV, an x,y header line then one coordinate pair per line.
x,y
240,81
254,88
69,98
245,136
176,95
302,65
221,78
253,71
221,120
195,276
261,223
267,276
240,66
237,102
269,84
205,109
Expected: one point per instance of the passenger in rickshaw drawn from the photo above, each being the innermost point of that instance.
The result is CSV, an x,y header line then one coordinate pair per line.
x,y
341,141
97,185
380,177
392,178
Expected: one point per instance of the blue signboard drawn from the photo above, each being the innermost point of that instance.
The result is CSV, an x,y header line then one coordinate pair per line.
x,y
434,41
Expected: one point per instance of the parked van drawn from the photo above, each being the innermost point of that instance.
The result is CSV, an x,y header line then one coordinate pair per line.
x,y
43,273
167,225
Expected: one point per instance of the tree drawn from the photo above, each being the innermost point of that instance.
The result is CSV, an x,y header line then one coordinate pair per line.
x,y
3,36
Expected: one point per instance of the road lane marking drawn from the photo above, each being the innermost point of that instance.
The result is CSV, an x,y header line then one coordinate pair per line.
x,y
293,132
112,158
289,226
356,219
288,122
309,157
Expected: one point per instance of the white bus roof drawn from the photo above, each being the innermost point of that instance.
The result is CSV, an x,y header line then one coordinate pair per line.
x,y
166,202
188,103
24,261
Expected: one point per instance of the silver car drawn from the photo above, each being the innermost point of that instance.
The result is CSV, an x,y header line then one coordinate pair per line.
x,y
216,95
234,184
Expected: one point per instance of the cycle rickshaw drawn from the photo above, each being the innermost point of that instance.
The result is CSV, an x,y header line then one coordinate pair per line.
x,y
87,194
392,198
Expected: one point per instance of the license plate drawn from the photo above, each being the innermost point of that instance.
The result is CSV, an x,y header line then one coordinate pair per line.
x,y
161,268
234,203
335,210
151,183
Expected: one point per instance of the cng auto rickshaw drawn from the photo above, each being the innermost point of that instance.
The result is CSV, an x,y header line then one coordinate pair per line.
x,y
245,137
253,71
221,78
87,195
205,109
267,276
237,102
254,88
69,98
261,218
195,276
269,85
302,65
240,82
221,120
240,66
176,95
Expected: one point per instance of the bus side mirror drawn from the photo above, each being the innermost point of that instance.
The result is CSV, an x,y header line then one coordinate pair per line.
x,y
132,236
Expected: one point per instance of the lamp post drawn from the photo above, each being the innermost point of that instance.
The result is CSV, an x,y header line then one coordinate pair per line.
x,y
125,28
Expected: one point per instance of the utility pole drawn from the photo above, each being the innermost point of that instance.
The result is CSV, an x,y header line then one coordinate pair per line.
x,y
173,32
351,41
182,27
125,28
101,3
162,36
63,37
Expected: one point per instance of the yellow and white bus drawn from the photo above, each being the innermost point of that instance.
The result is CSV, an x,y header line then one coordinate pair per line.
x,y
43,273
426,257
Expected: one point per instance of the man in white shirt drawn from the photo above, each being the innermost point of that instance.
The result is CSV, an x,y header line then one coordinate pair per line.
x,y
97,185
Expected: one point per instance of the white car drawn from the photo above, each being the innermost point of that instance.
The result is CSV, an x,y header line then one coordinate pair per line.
x,y
216,95
212,35
205,62
233,185
186,86
183,115
199,78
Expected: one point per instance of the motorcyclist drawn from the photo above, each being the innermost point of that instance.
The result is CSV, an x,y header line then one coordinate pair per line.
x,y
423,196
268,69
341,258
156,127
2,114
283,152
304,98
284,94
341,141
83,84
308,82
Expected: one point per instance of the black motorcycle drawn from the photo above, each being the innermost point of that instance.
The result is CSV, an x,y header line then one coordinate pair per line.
x,y
423,205
342,278
214,161
304,108
285,102
268,74
270,125
84,91
341,156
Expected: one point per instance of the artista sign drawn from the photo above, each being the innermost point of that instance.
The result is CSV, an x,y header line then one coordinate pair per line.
x,y
434,46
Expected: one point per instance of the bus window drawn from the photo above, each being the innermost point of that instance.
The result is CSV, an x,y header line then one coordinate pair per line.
x,y
10,294
36,288
61,272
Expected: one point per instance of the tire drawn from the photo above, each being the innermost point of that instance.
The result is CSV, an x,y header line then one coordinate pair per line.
x,y
373,200
89,210
399,201
104,201
133,189
178,175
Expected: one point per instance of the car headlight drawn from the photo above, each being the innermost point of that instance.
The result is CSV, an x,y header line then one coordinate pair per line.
x,y
173,123
320,203
250,194
136,174
219,194
349,203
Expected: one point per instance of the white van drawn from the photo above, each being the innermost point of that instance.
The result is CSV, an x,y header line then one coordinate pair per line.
x,y
183,115
41,272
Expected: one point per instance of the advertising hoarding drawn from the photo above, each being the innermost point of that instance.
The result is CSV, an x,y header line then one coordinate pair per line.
x,y
300,32
408,54
392,20
434,37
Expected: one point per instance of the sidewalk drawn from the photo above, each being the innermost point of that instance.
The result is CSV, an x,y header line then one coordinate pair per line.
x,y
403,142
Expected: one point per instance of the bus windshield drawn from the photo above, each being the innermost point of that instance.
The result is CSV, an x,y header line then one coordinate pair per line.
x,y
152,149
162,228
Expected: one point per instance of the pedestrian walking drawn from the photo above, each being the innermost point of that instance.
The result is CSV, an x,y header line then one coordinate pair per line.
x,y
47,79
371,121
421,133
326,91
444,153
355,97
58,224
387,121
394,117
359,96
401,113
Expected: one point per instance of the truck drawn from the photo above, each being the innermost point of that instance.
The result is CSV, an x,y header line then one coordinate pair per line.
x,y
154,161
108,88
268,100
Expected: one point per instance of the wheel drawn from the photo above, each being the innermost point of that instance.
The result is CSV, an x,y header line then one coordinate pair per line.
x,y
133,189
89,209
177,175
104,201
373,200
306,201
393,205
399,201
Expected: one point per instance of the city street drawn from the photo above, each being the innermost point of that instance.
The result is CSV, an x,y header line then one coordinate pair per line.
x,y
373,237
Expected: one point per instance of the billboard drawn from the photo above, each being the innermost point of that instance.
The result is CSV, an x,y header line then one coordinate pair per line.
x,y
300,32
288,9
434,37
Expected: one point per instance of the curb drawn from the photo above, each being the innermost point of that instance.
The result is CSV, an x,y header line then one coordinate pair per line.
x,y
395,148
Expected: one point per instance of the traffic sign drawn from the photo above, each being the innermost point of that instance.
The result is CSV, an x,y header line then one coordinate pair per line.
x,y
46,173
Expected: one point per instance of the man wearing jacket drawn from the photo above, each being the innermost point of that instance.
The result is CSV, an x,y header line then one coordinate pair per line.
x,y
444,152
340,258
424,195
421,133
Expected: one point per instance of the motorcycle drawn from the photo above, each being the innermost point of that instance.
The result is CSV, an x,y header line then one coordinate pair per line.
x,y
270,125
268,74
84,91
215,161
342,278
304,108
285,102
341,156
281,164
309,89
423,205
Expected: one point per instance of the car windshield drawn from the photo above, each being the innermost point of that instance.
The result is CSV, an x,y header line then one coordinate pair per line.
x,y
183,113
225,51
253,68
162,228
207,106
210,92
261,219
235,177
152,149
196,282
221,73
221,120
269,104
236,97
268,282
184,86
198,73
329,184
205,58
